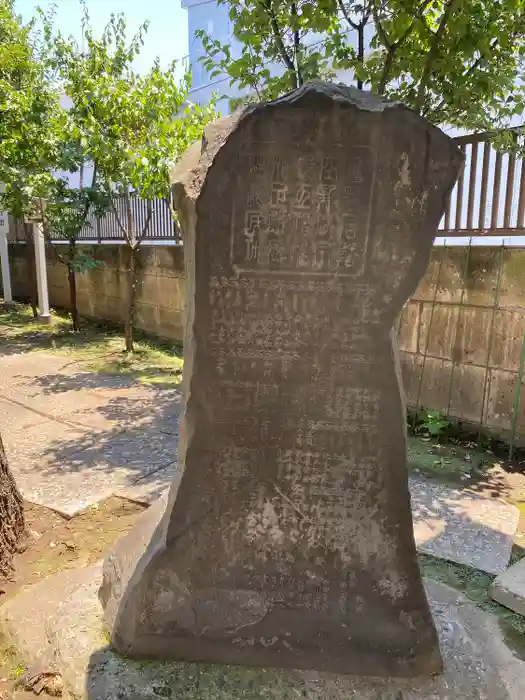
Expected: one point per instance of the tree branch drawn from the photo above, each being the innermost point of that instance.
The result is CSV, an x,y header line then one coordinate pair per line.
x,y
145,228
119,223
132,234
48,234
54,248
168,200
86,201
254,82
390,50
360,29
296,45
433,53
469,70
281,48
380,29
345,14
391,47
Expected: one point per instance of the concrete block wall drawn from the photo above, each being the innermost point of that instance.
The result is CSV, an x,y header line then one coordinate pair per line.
x,y
101,290
463,332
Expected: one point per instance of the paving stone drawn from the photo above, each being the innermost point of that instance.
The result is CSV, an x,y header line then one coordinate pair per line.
x,y
150,488
75,438
20,371
87,408
36,364
126,411
23,618
32,452
14,416
62,403
68,411
79,470
462,526
508,588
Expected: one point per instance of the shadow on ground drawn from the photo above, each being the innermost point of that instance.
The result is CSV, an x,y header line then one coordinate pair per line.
x,y
79,436
145,431
462,526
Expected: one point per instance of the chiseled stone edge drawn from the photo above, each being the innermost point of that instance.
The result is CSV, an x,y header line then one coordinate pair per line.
x,y
191,169
508,588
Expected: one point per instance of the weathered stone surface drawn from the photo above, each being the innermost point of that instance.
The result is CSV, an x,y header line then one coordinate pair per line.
x,y
509,588
308,222
477,664
463,526
452,524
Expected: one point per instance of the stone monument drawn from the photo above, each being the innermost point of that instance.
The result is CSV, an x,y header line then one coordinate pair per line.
x,y
308,223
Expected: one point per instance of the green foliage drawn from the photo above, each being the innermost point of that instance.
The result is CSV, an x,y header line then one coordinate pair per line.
x,y
38,137
457,62
272,34
434,423
31,119
67,210
124,127
81,261
430,423
130,126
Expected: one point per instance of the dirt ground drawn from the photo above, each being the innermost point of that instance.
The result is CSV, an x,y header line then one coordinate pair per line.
x,y
57,544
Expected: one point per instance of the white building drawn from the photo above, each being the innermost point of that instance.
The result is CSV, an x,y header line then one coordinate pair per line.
x,y
213,18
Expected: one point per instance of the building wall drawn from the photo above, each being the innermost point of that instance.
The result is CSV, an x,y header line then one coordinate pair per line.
x,y
214,20
102,290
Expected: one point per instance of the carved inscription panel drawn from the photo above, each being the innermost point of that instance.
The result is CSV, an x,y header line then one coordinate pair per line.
x,y
303,213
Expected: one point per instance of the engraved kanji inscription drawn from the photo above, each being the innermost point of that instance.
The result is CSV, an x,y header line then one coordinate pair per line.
x,y
323,211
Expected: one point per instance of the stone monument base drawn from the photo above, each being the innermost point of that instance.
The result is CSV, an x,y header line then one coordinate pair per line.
x,y
478,664
213,620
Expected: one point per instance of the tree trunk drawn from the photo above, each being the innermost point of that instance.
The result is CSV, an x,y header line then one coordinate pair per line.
x,y
12,524
132,293
72,281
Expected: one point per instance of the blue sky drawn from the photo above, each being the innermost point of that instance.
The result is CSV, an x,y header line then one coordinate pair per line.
x,y
167,37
